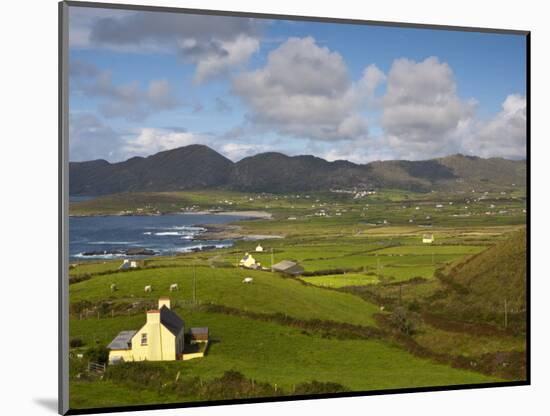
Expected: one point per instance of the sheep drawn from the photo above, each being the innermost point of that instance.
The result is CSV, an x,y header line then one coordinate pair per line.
x,y
248,280
173,287
114,288
148,288
382,308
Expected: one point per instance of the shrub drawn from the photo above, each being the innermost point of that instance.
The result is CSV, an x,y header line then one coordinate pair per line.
x,y
406,322
76,342
319,387
98,354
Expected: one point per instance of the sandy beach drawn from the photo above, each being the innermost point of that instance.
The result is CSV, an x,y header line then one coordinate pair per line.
x,y
251,214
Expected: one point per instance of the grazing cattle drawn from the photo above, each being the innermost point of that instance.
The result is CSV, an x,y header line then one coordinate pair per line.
x,y
173,287
248,280
113,287
148,288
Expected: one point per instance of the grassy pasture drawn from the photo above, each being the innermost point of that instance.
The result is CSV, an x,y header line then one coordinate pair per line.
x,y
265,351
281,355
269,292
342,280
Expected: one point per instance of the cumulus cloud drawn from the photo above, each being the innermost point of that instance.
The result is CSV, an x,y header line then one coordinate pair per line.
x,y
215,44
305,91
505,135
129,101
216,57
148,141
90,139
238,151
421,110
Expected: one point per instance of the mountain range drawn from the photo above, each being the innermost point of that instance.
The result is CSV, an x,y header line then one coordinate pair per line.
x,y
200,167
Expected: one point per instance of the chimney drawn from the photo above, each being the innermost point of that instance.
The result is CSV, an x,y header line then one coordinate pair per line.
x,y
164,302
153,316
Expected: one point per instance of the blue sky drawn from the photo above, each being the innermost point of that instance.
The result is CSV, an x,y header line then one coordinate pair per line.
x,y
142,82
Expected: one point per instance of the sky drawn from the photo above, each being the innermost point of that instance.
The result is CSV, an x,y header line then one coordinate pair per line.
x,y
141,82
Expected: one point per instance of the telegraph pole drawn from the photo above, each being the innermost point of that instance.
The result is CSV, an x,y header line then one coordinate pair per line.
x,y
194,285
505,314
271,258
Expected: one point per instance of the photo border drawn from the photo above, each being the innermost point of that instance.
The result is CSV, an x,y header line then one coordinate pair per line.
x,y
63,210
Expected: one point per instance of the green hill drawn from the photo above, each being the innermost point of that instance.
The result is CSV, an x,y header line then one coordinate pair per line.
x,y
488,288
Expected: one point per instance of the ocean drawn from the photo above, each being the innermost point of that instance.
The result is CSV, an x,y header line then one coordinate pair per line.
x,y
105,237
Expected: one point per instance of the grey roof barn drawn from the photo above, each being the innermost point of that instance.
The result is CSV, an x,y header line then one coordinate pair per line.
x,y
288,267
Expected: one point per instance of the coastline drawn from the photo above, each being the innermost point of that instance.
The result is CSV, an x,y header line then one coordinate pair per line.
x,y
246,214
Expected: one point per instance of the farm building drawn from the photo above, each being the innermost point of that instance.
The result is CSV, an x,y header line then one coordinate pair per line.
x,y
127,264
428,238
288,267
248,261
259,248
160,339
198,335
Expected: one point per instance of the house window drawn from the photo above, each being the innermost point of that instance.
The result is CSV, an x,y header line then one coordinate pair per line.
x,y
143,339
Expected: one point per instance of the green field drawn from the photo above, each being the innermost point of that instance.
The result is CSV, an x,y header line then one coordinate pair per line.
x,y
342,280
365,265
279,355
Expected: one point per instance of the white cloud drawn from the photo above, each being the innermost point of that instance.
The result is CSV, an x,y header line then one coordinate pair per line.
x,y
238,151
505,135
421,110
148,141
305,91
227,55
129,100
215,44
90,139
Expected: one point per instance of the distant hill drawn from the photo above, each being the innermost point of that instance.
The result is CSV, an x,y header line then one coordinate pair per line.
x,y
199,167
478,288
190,167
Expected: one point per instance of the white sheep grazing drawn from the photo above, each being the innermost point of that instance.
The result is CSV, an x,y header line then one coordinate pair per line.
x,y
174,286
382,308
248,280
113,287
148,288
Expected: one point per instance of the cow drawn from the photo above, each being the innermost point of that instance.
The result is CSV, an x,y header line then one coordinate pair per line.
x,y
113,287
148,288
248,280
173,287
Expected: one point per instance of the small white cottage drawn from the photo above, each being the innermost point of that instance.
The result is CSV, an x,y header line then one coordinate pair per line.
x,y
259,248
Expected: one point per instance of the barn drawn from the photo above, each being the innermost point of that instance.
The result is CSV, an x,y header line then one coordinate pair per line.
x,y
288,267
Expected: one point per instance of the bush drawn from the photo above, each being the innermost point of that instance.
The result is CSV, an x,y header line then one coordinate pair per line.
x,y
318,387
98,354
76,342
406,322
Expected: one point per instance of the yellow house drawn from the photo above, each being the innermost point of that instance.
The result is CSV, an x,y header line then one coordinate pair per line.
x,y
248,261
160,339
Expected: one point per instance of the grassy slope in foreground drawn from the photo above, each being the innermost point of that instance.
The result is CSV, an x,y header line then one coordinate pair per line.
x,y
269,293
275,354
479,286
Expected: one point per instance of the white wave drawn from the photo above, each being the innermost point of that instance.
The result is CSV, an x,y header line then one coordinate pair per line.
x,y
98,256
112,242
147,233
201,246
170,233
